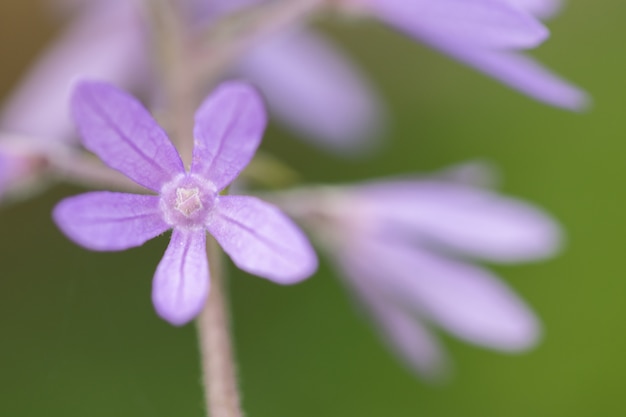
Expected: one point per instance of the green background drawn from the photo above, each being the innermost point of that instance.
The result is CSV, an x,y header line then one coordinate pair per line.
x,y
79,336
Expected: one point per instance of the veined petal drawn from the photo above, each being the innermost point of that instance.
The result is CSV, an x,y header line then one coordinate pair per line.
x,y
479,23
181,281
109,221
466,220
314,90
116,127
104,43
261,240
465,300
228,131
400,329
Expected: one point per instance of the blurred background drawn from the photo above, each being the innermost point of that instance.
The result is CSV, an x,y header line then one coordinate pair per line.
x,y
80,338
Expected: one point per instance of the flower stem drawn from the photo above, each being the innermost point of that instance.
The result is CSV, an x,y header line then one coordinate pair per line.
x,y
218,368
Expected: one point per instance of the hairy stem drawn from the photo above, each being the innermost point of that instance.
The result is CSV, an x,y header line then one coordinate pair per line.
x,y
218,368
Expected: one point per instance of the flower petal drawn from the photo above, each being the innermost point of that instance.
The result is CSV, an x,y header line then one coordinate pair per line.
x,y
228,131
465,300
261,240
116,127
313,89
400,329
518,71
109,221
479,23
181,282
526,75
466,220
542,9
7,171
104,43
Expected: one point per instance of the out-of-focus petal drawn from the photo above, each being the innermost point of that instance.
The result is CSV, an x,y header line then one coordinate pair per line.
x,y
228,130
110,221
543,9
465,300
400,329
524,74
311,88
486,51
116,127
7,169
466,220
479,23
261,240
104,43
181,281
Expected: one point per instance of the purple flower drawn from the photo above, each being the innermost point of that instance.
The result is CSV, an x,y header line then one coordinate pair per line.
x,y
404,248
486,35
228,129
104,42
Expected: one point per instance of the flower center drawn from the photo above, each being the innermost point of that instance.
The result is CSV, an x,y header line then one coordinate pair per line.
x,y
186,201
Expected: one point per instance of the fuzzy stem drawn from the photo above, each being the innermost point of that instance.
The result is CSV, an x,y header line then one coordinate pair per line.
x,y
218,368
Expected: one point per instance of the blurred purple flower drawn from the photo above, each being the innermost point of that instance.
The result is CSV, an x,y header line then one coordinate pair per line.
x,y
104,43
294,69
22,162
228,129
308,84
486,35
312,89
404,246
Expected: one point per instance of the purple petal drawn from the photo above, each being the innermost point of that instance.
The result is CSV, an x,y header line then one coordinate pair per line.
x,y
516,70
181,282
104,43
466,220
542,9
402,331
465,300
261,240
228,131
110,221
7,171
314,90
526,75
116,127
480,23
